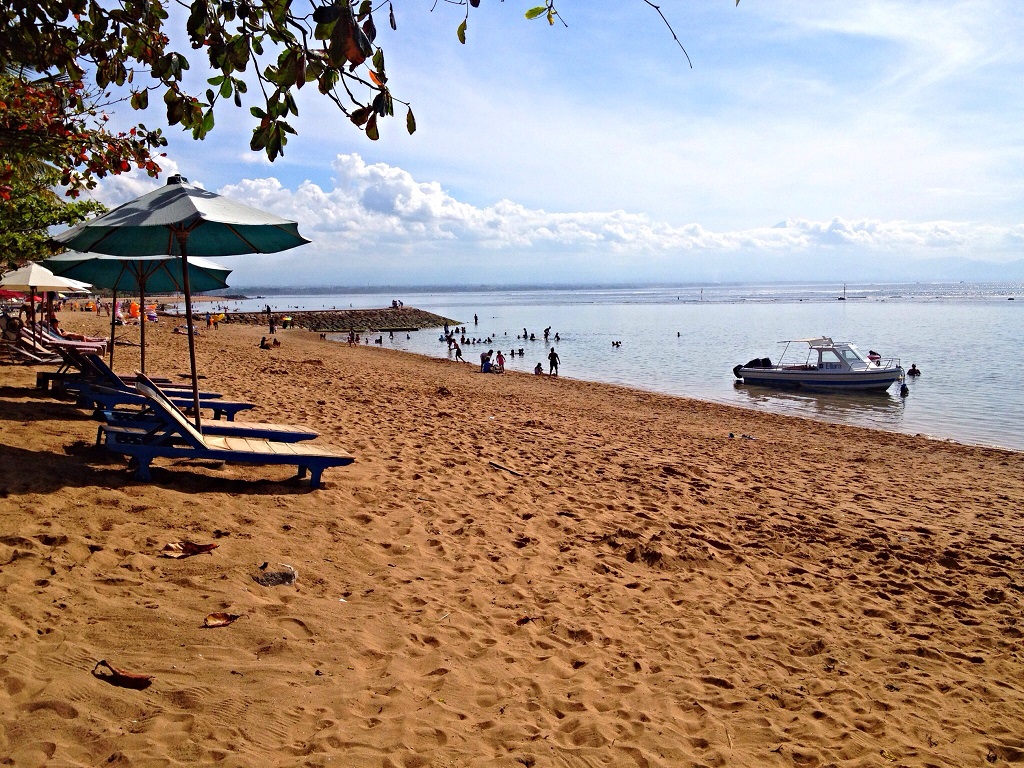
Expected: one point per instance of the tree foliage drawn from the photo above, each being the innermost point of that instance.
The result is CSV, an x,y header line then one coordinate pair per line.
x,y
95,52
55,120
31,208
124,49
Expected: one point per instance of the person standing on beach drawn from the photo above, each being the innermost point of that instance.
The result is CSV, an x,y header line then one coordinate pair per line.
x,y
458,352
553,362
273,325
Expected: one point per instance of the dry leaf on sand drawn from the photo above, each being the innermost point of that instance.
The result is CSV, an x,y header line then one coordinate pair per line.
x,y
178,549
220,619
104,670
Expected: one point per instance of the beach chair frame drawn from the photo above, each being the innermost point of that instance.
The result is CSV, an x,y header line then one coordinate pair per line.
x,y
192,444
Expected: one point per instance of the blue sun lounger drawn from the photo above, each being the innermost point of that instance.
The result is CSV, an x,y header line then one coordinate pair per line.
x,y
95,372
110,398
77,366
246,450
157,426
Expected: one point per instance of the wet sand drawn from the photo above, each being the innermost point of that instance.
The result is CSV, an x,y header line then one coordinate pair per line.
x,y
517,570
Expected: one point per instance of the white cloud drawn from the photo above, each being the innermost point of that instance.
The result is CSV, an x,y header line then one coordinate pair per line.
x,y
379,215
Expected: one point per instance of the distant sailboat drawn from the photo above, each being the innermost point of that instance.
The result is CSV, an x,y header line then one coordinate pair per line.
x,y
843,297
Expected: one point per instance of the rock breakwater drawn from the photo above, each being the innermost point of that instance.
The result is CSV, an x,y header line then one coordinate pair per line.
x,y
344,320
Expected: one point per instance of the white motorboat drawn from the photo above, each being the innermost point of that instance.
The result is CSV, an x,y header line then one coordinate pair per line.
x,y
829,365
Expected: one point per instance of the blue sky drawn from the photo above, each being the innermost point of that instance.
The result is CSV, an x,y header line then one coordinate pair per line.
x,y
810,141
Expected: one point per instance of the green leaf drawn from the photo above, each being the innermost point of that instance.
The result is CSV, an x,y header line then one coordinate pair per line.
x,y
536,13
462,32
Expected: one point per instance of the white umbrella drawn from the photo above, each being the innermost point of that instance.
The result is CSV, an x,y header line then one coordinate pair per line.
x,y
33,277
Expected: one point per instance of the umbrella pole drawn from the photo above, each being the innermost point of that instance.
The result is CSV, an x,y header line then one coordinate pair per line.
x,y
142,328
113,318
182,236
35,325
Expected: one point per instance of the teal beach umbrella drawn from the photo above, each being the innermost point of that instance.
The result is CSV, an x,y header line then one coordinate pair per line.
x,y
155,274
181,220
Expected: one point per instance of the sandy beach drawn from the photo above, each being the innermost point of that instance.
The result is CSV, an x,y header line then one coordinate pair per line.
x,y
516,571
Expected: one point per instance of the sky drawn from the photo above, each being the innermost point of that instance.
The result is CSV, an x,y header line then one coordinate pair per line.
x,y
812,140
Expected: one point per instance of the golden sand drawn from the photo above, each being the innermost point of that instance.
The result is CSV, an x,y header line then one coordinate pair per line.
x,y
517,571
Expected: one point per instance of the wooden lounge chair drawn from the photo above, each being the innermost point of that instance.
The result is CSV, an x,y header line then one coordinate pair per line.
x,y
194,445
158,426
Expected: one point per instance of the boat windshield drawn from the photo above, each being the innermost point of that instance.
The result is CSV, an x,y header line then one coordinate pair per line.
x,y
852,354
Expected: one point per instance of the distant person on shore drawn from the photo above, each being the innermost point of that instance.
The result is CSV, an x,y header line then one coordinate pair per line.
x,y
485,361
273,325
458,353
553,362
914,370
539,370
501,362
264,344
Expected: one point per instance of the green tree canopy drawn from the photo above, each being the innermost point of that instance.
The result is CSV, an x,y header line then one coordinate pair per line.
x,y
31,208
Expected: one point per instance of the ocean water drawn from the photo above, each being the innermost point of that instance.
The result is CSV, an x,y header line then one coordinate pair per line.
x,y
684,341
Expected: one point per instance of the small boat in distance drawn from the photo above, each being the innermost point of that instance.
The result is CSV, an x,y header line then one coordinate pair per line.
x,y
829,365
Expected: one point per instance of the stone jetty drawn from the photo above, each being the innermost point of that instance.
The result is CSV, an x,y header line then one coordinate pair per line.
x,y
345,320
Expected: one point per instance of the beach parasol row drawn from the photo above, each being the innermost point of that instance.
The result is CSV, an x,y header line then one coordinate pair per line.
x,y
138,274
182,220
34,277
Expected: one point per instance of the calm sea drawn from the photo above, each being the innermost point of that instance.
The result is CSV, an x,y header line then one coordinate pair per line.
x,y
684,341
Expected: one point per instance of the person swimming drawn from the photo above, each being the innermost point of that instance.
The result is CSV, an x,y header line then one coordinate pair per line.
x,y
914,370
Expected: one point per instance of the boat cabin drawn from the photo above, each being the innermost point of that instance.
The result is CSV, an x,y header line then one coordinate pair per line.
x,y
823,354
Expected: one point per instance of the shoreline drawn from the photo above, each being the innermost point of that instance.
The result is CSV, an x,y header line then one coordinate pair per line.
x,y
517,570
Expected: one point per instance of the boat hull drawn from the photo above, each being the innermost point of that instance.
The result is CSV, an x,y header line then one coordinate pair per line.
x,y
877,380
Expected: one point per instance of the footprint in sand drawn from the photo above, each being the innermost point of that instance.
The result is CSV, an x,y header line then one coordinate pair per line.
x,y
60,708
297,628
